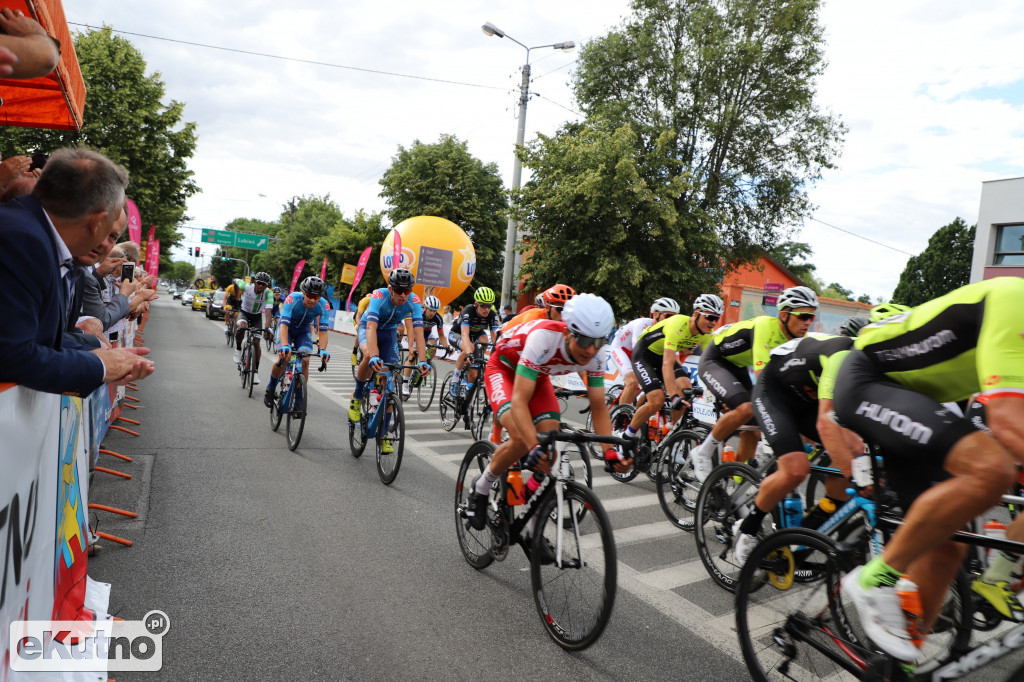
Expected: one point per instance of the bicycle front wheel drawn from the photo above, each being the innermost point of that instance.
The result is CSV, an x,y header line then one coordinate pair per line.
x,y
425,390
575,593
677,485
480,412
724,497
252,366
390,438
275,409
244,365
296,411
475,544
357,430
448,404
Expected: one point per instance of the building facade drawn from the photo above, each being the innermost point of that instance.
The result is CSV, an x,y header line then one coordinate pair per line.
x,y
999,237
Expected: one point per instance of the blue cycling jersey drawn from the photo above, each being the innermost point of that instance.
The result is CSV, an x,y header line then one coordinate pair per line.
x,y
298,317
387,316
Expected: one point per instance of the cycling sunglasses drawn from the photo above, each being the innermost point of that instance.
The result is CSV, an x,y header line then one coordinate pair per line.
x,y
557,308
401,292
588,341
711,318
485,306
806,317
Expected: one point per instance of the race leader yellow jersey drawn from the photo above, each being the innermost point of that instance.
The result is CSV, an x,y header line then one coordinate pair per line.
x,y
673,332
971,340
749,343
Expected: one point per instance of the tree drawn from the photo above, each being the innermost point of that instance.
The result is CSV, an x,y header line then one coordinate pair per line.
x,y
943,266
345,244
445,180
302,222
126,119
719,98
180,271
225,271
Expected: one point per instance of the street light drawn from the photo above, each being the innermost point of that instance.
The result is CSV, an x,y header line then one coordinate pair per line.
x,y
511,233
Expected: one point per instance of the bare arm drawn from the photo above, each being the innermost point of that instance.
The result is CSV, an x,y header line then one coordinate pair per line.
x,y
34,52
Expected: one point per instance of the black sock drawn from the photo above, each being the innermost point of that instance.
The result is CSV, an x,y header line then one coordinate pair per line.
x,y
752,524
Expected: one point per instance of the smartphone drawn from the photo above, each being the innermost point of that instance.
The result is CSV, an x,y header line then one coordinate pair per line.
x,y
127,271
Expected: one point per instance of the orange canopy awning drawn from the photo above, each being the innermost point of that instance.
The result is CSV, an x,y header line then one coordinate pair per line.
x,y
53,101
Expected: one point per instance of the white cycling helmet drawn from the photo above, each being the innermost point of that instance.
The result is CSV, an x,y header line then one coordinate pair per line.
x,y
797,297
588,315
708,303
538,300
432,302
665,305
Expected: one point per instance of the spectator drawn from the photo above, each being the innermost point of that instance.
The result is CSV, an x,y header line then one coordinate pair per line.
x,y
74,211
99,299
26,49
506,314
131,251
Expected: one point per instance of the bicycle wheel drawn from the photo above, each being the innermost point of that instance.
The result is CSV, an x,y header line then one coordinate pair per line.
x,y
729,489
574,599
228,336
677,485
390,434
425,390
244,364
275,410
252,366
621,415
449,405
475,544
357,431
359,358
269,341
480,412
296,411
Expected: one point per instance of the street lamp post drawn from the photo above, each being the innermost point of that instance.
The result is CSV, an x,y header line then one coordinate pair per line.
x,y
511,234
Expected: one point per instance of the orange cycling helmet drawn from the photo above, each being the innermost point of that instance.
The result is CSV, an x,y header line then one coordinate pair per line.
x,y
557,295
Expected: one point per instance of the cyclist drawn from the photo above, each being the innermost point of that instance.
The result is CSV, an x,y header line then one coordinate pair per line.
x,y
275,308
232,296
724,368
432,323
655,360
789,402
624,339
304,313
943,469
388,307
364,303
851,326
253,308
520,392
549,307
475,320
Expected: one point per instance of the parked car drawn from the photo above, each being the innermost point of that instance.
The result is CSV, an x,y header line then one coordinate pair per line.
x,y
215,310
201,298
186,298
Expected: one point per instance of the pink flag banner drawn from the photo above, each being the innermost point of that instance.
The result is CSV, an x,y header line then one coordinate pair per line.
x,y
360,268
153,257
323,270
298,271
396,258
134,222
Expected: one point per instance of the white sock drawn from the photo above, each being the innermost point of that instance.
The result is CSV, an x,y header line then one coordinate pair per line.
x,y
484,483
1000,568
713,443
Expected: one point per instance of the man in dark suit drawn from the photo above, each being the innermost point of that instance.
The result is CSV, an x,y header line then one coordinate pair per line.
x,y
74,211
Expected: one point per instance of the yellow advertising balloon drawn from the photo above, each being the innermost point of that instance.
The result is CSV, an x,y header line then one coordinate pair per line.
x,y
438,253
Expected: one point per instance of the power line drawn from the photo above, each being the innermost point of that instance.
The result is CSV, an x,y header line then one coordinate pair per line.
x,y
860,236
571,111
295,59
548,73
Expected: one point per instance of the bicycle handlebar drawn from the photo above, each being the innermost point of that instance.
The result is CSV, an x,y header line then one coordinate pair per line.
x,y
545,439
302,355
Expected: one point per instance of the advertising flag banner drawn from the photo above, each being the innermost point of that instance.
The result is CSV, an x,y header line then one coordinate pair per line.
x,y
396,255
323,270
134,222
348,273
298,271
153,257
364,258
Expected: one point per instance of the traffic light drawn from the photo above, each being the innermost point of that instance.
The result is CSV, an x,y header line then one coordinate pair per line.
x,y
190,250
225,258
198,255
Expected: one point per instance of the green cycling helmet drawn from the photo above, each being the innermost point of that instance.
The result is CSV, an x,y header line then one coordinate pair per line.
x,y
484,295
886,310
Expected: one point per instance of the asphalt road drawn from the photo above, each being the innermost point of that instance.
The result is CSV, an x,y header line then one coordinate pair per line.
x,y
282,565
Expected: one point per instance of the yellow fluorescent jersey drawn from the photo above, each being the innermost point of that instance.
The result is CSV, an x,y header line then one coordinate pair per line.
x,y
364,303
749,343
673,332
971,340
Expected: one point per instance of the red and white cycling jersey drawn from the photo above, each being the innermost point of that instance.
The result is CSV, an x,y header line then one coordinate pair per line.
x,y
538,347
625,339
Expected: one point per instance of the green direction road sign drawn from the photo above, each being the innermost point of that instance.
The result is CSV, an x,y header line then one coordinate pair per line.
x,y
259,242
222,237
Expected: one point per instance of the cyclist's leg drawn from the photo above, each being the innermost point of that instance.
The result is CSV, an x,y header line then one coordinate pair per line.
x,y
731,385
647,368
471,374
240,326
630,387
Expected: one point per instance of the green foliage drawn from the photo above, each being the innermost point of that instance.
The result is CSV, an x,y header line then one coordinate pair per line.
x,y
942,267
180,271
345,244
836,290
126,119
864,298
445,180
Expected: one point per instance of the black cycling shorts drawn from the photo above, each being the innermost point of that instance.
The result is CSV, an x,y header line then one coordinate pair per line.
x,y
726,381
647,370
914,432
783,416
254,320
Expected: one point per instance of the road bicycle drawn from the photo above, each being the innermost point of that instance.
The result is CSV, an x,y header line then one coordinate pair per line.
x,y
573,565
229,324
269,336
425,386
469,404
290,398
358,357
247,362
382,419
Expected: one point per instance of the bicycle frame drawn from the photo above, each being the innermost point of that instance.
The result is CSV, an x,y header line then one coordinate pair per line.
x,y
386,382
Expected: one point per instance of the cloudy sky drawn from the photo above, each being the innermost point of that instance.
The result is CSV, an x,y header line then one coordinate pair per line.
x,y
932,91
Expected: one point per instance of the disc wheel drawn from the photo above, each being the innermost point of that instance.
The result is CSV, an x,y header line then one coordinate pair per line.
x,y
475,544
677,485
390,436
296,411
425,389
448,405
574,595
